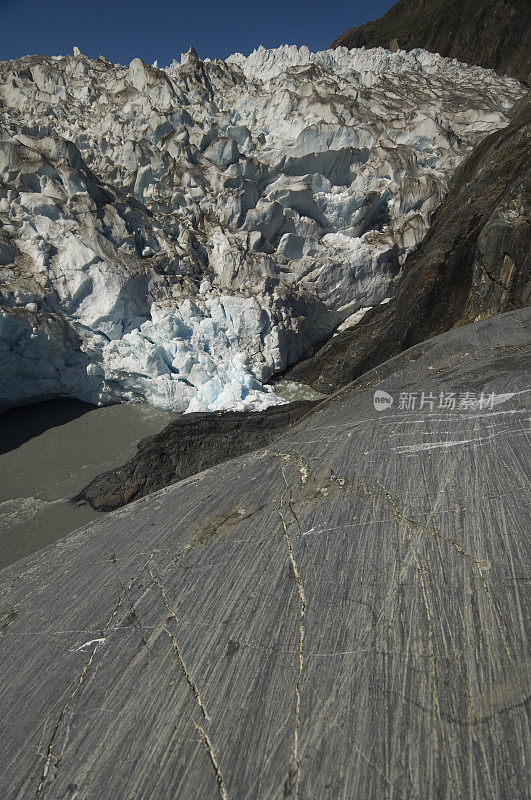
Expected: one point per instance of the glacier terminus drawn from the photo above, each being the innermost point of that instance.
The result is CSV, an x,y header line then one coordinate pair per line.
x,y
180,235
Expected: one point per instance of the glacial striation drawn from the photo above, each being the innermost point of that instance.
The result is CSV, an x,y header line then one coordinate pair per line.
x,y
181,235
341,614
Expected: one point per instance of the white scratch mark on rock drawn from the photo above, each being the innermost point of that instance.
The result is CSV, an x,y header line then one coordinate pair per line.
x,y
88,644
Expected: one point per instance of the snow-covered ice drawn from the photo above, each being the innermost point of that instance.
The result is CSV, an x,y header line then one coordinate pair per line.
x,y
179,235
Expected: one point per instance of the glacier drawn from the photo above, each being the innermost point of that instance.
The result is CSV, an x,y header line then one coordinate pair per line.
x,y
180,235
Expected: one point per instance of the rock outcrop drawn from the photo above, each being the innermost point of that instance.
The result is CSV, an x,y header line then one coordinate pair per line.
x,y
180,235
475,261
338,615
493,33
186,446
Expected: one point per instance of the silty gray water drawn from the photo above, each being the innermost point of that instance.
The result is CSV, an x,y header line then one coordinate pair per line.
x,y
48,452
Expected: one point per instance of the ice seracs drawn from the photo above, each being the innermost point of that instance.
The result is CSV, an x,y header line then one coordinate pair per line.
x,y
180,235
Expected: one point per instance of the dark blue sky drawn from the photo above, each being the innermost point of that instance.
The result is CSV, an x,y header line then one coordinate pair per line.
x,y
161,29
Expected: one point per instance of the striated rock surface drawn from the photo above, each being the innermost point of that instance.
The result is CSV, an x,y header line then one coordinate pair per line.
x,y
339,615
493,33
181,235
186,446
475,261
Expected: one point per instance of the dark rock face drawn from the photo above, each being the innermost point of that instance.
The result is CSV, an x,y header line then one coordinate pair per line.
x,y
491,33
188,445
338,615
475,261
